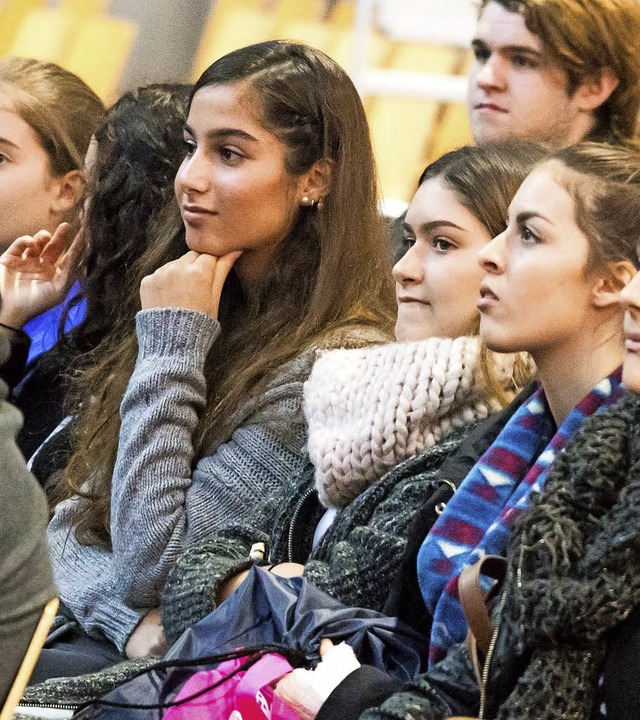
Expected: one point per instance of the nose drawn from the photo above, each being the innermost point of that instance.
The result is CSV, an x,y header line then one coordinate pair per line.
x,y
410,268
490,74
192,177
491,256
629,296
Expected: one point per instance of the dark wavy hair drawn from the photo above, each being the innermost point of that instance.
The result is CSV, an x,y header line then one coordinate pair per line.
x,y
139,149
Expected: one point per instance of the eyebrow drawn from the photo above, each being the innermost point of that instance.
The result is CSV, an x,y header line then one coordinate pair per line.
x,y
432,225
522,217
8,143
224,133
478,44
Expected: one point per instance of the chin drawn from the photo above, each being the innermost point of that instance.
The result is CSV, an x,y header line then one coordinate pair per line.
x,y
498,343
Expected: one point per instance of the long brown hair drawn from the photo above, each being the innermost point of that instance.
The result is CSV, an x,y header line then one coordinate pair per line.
x,y
332,273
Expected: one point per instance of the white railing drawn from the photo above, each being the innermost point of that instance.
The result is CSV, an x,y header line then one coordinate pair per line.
x,y
439,22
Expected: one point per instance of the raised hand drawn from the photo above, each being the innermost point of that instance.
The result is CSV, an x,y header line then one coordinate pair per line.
x,y
193,281
37,272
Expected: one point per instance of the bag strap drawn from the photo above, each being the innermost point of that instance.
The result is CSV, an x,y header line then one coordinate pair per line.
x,y
474,600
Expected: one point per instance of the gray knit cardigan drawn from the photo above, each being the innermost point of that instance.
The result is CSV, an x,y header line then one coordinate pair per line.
x,y
163,498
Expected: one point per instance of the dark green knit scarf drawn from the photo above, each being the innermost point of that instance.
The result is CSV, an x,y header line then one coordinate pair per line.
x,y
575,567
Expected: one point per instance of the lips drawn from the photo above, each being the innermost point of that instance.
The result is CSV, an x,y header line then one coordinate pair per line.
x,y
487,292
195,215
487,298
196,210
402,299
632,340
489,106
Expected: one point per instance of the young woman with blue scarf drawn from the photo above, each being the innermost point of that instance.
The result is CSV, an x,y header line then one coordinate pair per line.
x,y
551,288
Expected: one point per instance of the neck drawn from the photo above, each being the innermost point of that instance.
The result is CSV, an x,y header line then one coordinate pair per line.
x,y
570,372
580,128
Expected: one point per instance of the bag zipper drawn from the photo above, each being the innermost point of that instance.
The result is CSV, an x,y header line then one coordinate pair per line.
x,y
487,660
52,705
294,518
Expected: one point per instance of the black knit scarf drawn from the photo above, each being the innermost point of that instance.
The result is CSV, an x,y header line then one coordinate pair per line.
x,y
575,567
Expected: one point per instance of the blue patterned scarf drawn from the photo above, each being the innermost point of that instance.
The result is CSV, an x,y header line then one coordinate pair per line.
x,y
478,519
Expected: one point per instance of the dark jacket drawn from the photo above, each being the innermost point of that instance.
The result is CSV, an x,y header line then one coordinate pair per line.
x,y
575,630
367,687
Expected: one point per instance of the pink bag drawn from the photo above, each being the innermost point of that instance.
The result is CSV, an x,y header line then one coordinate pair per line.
x,y
245,695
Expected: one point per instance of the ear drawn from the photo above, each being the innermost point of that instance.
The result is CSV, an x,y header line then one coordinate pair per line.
x,y
68,192
315,184
605,293
595,91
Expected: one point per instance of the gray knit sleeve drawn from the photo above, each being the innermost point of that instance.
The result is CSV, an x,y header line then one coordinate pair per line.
x,y
161,503
85,578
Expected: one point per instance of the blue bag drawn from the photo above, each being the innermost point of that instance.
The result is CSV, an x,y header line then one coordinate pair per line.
x,y
270,610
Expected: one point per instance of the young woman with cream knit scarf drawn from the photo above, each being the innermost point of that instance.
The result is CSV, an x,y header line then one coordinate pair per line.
x,y
382,419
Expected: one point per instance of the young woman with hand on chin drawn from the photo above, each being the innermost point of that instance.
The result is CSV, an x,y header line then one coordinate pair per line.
x,y
286,255
551,288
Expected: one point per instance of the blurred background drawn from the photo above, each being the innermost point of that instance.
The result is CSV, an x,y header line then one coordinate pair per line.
x,y
408,58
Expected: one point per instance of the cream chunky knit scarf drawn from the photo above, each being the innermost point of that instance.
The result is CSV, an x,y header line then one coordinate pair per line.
x,y
369,409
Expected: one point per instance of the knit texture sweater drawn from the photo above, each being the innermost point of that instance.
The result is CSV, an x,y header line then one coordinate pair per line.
x,y
361,551
371,408
163,497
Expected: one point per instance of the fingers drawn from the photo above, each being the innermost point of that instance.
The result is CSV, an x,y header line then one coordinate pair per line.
x,y
326,646
222,270
27,246
76,254
57,245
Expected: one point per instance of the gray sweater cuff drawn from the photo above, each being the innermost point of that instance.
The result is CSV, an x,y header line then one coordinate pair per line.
x,y
175,331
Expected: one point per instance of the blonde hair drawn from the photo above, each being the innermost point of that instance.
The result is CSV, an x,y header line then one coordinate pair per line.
x,y
62,110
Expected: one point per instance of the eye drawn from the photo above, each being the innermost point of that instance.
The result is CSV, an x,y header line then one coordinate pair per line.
x,y
230,156
441,245
524,61
481,53
3,158
528,236
408,241
190,146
